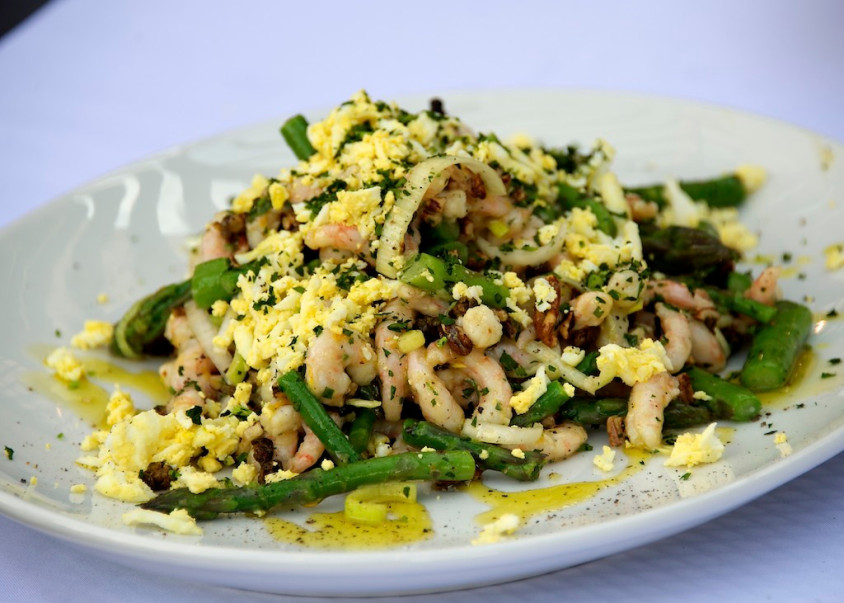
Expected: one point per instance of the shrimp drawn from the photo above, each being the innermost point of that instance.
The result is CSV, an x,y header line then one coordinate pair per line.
x,y
561,441
257,228
333,362
435,401
299,191
191,368
494,389
645,409
185,401
335,236
418,301
641,210
308,452
460,384
707,350
222,238
680,296
590,309
675,327
392,363
284,448
765,289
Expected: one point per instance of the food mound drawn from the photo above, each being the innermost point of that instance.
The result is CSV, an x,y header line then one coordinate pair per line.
x,y
417,301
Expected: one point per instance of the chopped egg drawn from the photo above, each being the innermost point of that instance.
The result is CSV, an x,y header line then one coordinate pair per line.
x,y
633,365
66,365
544,294
834,256
96,333
495,530
781,441
245,473
692,449
531,390
604,461
177,522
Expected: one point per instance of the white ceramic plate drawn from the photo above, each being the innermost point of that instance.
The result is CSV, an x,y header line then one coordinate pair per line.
x,y
123,235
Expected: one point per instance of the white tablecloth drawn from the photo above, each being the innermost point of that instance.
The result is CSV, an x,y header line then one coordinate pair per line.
x,y
88,86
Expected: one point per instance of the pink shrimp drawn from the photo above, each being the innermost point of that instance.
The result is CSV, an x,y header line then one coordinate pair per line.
x,y
646,408
334,362
335,236
392,363
562,441
675,327
435,401
765,289
590,309
707,351
308,452
191,368
697,302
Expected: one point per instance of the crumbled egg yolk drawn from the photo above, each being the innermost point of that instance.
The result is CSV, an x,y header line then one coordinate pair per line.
x,y
137,440
604,461
633,365
244,473
544,294
66,365
692,449
96,333
531,391
177,522
834,256
781,442
495,530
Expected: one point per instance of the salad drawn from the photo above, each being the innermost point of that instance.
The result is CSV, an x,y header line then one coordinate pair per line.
x,y
417,301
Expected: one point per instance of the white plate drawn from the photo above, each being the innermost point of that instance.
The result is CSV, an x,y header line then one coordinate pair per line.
x,y
123,235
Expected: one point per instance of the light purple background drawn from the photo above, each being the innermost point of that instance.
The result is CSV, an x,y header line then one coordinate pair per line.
x,y
88,86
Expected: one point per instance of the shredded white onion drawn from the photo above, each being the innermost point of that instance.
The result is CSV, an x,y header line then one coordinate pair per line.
x,y
503,435
205,331
547,356
524,257
419,179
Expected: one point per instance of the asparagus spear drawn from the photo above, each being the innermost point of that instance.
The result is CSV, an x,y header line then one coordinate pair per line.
x,y
429,273
727,191
316,484
546,405
773,353
596,411
678,250
361,429
488,456
315,416
727,400
295,133
141,330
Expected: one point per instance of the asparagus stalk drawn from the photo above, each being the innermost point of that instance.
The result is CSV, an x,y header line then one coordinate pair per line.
x,y
727,400
678,250
488,456
727,191
315,416
141,330
775,347
295,133
317,484
432,274
546,405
